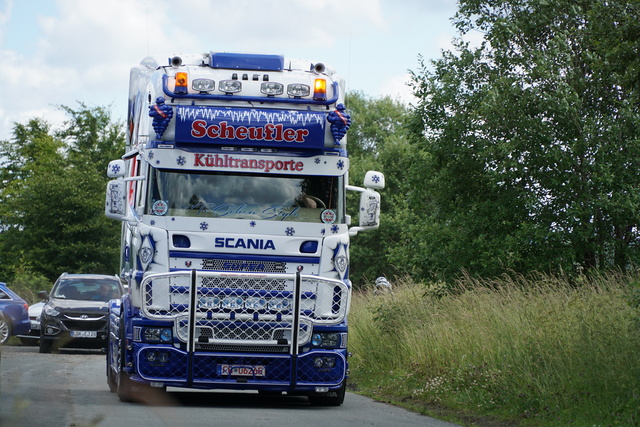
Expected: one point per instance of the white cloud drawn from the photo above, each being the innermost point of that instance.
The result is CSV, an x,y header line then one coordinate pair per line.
x,y
397,88
4,18
78,50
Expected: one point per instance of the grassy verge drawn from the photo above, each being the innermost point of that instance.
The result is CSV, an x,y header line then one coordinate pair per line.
x,y
521,351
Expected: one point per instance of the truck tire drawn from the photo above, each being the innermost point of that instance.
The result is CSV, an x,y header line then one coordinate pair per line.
x,y
333,398
111,376
125,387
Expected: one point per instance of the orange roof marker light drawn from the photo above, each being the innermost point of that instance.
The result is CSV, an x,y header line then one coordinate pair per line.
x,y
182,82
320,90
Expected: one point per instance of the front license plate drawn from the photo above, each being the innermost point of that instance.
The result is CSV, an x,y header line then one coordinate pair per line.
x,y
84,334
35,325
241,370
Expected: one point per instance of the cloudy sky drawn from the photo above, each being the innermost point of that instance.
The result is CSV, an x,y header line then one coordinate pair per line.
x,y
60,52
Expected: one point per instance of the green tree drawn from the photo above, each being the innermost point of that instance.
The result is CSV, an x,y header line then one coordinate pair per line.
x,y
52,211
529,143
377,141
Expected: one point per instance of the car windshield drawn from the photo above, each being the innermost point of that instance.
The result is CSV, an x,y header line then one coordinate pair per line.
x,y
246,196
87,289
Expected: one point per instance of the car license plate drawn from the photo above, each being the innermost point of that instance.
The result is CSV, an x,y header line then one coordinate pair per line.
x,y
242,370
35,325
84,334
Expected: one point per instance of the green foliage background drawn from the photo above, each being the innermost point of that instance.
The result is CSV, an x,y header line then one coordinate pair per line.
x,y
520,153
52,199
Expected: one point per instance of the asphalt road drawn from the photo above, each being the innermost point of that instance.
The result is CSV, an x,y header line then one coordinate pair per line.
x,y
70,389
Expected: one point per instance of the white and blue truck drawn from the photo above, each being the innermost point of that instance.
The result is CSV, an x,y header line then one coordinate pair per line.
x,y
235,236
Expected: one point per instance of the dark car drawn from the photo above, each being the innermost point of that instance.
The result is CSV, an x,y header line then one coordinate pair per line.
x,y
75,314
14,319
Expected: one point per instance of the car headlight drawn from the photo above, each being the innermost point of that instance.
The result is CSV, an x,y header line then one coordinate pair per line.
x,y
51,311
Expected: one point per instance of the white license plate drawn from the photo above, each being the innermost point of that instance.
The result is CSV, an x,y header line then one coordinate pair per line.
x,y
84,334
241,370
35,325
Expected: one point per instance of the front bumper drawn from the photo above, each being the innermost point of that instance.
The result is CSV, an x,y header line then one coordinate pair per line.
x,y
204,369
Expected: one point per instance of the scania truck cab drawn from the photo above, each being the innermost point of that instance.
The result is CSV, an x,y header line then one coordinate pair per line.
x,y
235,235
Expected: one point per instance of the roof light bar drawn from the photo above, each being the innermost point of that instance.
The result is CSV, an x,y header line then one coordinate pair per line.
x,y
298,94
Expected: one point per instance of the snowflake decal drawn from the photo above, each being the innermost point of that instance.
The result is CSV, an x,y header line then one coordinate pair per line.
x,y
375,179
317,160
181,160
334,228
323,231
252,224
290,231
153,222
204,226
340,164
115,169
151,155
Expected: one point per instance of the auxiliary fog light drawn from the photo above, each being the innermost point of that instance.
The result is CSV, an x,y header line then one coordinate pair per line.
x,y
50,330
230,86
297,90
156,356
324,362
163,335
272,88
322,389
203,85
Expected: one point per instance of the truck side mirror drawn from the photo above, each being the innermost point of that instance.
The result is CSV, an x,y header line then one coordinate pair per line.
x,y
374,179
116,169
369,210
115,206
369,218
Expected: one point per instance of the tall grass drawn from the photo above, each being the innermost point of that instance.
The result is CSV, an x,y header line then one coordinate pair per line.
x,y
535,350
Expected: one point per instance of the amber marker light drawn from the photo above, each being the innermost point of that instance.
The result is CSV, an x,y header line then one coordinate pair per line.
x,y
320,89
182,82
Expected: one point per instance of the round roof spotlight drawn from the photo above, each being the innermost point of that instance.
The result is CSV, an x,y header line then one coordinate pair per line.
x,y
176,61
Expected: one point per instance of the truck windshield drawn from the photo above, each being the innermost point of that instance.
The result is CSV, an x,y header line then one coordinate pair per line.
x,y
246,196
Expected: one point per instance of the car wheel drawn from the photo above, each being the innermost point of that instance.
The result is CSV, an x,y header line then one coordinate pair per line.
x,y
5,330
45,345
334,398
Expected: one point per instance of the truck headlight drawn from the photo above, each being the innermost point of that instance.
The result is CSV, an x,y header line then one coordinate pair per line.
x,y
325,339
163,335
